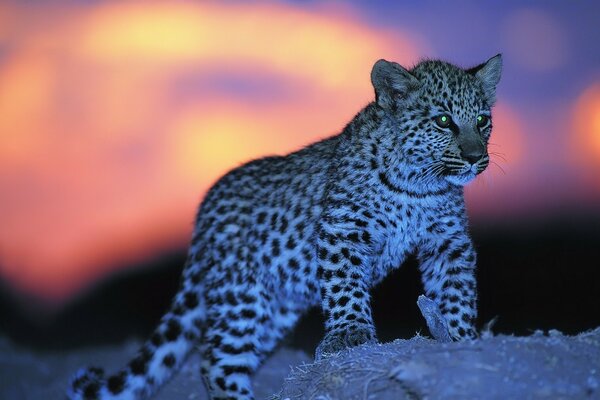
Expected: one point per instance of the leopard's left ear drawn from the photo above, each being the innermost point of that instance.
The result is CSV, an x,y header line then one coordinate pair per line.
x,y
489,74
392,82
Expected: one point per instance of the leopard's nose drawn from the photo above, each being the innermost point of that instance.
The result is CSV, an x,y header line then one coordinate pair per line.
x,y
471,150
472,155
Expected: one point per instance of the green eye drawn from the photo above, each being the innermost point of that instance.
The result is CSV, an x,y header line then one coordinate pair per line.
x,y
443,121
482,121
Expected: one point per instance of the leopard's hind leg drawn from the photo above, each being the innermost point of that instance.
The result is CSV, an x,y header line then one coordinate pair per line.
x,y
244,325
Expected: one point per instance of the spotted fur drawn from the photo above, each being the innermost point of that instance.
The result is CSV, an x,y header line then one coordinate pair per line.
x,y
321,226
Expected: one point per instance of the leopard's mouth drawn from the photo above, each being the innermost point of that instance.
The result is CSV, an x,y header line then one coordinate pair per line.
x,y
458,168
465,173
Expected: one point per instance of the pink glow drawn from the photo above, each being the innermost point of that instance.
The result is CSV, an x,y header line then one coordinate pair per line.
x,y
102,167
111,131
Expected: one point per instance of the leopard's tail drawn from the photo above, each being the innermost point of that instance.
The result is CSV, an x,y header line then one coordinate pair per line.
x,y
155,362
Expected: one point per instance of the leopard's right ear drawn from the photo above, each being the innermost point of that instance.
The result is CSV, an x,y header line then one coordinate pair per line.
x,y
392,82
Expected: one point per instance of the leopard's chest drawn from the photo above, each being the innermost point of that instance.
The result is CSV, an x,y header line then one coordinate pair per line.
x,y
404,229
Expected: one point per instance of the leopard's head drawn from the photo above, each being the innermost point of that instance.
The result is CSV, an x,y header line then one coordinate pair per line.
x,y
440,115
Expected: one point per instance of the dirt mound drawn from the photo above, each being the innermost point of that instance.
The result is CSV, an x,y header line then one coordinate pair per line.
x,y
541,366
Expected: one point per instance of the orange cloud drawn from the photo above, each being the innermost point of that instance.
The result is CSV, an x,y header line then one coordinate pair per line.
x,y
329,51
586,127
104,159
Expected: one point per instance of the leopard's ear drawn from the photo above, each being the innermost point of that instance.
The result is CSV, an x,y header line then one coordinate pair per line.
x,y
489,74
392,82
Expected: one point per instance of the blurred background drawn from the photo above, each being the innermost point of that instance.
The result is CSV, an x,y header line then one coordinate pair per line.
x,y
116,117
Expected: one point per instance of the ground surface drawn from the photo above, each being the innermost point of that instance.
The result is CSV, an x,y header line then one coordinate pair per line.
x,y
551,366
28,376
501,367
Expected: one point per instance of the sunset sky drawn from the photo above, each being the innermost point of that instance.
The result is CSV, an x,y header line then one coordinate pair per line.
x,y
116,117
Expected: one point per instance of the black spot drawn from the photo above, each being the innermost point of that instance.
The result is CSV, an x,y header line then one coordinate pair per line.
x,y
325,274
138,365
230,298
345,252
353,237
116,383
221,383
247,298
360,223
335,258
221,210
284,224
275,250
322,253
79,381
273,221
178,309
216,340
366,237
261,217
227,348
453,323
91,390
169,360
300,227
331,303
293,263
382,223
266,259
355,260
191,300
248,314
157,339
444,246
241,332
173,330
343,300
455,254
195,278
291,243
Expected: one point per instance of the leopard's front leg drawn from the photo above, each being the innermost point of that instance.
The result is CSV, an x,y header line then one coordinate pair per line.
x,y
342,250
447,264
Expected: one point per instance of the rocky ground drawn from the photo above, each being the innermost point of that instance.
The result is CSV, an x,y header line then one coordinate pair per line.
x,y
542,366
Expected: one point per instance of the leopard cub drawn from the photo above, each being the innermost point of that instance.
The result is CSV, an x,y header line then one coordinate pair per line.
x,y
323,225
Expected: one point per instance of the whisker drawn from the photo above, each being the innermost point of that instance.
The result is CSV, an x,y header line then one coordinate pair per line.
x,y
501,156
499,167
438,169
433,171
